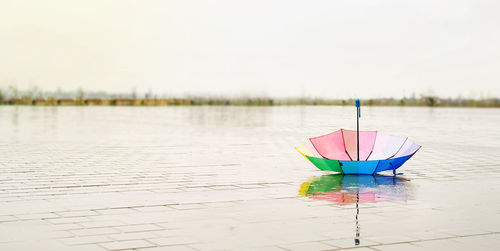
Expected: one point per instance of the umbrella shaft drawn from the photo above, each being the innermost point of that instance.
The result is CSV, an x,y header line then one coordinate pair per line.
x,y
357,130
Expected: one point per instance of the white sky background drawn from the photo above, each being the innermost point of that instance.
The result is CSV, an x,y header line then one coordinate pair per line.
x,y
327,48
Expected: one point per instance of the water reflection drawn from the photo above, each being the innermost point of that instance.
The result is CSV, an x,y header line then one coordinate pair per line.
x,y
349,189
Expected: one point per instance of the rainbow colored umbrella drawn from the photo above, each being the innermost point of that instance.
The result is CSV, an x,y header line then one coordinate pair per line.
x,y
358,152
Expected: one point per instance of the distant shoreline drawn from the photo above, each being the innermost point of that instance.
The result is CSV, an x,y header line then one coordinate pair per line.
x,y
412,102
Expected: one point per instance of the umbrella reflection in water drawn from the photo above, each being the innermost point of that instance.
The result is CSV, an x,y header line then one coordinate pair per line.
x,y
349,189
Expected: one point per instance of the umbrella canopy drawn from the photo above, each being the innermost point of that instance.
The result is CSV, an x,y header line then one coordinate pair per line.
x,y
338,151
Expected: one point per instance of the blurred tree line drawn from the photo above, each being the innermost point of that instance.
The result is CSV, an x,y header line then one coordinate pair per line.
x,y
35,96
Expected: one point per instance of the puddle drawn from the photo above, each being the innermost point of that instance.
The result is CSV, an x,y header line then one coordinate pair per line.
x,y
356,189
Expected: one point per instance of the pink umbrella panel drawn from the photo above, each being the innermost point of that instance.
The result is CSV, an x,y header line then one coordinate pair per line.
x,y
337,151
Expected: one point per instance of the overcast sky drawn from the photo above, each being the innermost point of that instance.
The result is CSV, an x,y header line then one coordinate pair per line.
x,y
329,48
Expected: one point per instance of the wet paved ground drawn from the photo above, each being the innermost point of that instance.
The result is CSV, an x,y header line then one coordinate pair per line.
x,y
228,178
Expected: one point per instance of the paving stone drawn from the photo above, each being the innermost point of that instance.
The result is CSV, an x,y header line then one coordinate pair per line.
x,y
121,245
360,249
306,246
139,228
479,242
153,209
76,213
264,248
101,223
133,236
59,234
167,248
115,211
167,241
86,240
68,220
348,243
95,231
187,206
7,218
89,247
397,247
37,216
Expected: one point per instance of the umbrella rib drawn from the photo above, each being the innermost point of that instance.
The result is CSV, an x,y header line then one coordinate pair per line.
x,y
411,155
317,149
375,170
322,136
399,148
343,141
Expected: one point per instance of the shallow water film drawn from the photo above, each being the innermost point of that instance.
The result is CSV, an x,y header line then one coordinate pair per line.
x,y
229,178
